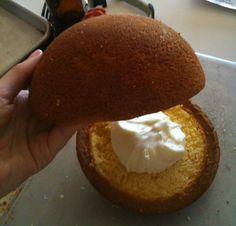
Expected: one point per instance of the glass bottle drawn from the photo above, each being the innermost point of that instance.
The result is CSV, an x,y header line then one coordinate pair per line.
x,y
64,13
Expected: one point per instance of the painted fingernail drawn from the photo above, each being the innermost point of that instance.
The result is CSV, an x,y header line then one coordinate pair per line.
x,y
36,53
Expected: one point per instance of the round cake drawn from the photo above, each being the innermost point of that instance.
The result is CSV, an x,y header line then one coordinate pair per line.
x,y
114,67
117,67
163,192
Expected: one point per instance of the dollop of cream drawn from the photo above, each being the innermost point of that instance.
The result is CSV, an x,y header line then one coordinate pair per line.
x,y
150,143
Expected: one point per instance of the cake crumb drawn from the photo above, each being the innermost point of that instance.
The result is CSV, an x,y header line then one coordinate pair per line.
x,y
45,197
227,167
162,38
58,102
62,196
82,188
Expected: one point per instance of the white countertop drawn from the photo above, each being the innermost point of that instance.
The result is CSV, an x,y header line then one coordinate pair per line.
x,y
210,29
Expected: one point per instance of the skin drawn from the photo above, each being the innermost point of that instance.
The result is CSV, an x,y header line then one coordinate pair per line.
x,y
27,145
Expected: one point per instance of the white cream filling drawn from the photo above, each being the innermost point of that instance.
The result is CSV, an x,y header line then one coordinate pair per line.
x,y
150,143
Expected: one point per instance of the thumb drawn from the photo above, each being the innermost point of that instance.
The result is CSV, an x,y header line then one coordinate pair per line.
x,y
59,136
13,81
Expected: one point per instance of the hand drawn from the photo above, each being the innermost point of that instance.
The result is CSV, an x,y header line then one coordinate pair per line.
x,y
26,144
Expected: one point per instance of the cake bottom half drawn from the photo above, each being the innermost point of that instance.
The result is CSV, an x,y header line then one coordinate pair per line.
x,y
167,191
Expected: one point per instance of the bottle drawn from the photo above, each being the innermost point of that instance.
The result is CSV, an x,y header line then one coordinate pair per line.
x,y
65,13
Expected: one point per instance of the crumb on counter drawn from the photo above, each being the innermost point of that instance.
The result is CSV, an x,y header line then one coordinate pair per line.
x,y
62,196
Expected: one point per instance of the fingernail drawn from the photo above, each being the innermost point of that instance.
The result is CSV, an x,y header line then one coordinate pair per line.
x,y
36,53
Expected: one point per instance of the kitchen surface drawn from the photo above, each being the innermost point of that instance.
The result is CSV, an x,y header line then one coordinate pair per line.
x,y
60,195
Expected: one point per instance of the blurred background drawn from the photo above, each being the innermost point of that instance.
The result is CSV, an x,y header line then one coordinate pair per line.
x,y
209,28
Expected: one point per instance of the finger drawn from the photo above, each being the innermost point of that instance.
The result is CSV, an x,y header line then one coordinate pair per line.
x,y
13,81
58,137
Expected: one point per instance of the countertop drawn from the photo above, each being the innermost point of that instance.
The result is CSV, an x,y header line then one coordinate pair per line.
x,y
60,195
210,29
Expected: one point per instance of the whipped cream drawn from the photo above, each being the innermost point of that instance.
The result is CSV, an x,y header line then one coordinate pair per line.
x,y
150,143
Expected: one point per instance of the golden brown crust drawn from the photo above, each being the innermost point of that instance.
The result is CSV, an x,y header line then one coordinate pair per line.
x,y
201,183
114,67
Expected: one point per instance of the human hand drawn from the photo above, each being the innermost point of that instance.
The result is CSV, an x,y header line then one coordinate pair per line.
x,y
26,144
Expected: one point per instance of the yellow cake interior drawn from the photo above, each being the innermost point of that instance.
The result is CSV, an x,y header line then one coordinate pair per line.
x,y
174,180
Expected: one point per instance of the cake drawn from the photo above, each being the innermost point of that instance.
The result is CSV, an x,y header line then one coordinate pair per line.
x,y
164,192
114,67
117,67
